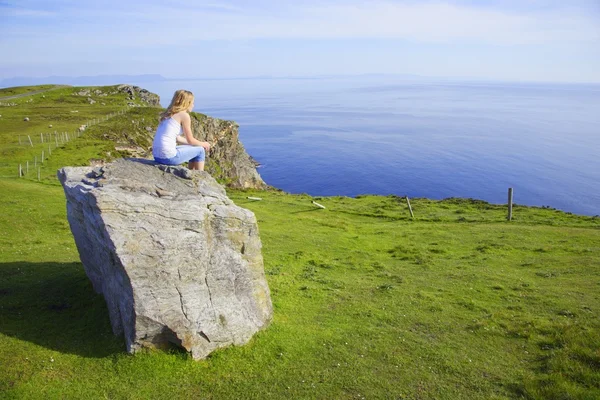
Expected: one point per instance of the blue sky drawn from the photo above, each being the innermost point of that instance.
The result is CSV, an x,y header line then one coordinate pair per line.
x,y
526,40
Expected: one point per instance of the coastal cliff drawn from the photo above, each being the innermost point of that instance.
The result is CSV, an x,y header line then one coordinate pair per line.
x,y
227,159
133,132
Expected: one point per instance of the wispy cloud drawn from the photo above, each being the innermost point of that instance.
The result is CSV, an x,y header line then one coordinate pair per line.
x,y
165,22
15,11
125,32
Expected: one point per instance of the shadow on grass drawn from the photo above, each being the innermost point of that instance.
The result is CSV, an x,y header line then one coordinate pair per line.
x,y
53,305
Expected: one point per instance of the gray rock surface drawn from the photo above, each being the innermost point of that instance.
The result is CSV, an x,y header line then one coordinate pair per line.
x,y
144,95
176,260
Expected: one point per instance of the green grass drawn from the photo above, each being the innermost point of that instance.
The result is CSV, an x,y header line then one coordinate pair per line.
x,y
55,112
20,90
455,304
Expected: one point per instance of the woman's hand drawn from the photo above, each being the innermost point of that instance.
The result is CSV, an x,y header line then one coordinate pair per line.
x,y
188,136
206,146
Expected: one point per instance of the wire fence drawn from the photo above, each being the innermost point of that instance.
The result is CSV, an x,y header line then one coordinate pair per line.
x,y
46,142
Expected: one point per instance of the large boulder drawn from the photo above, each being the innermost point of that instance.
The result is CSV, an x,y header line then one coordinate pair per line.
x,y
176,260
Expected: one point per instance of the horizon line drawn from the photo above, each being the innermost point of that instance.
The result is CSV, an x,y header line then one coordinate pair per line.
x,y
160,77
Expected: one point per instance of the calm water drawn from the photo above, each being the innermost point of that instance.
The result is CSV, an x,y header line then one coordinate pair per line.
x,y
418,138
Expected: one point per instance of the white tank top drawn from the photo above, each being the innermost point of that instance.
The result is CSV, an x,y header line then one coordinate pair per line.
x,y
164,145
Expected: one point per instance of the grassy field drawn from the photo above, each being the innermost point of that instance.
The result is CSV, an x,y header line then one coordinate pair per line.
x,y
8,93
455,304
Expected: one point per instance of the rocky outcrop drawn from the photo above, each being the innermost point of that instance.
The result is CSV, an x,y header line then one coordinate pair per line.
x,y
144,95
227,159
176,260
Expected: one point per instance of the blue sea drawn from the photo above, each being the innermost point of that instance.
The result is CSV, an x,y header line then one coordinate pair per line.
x,y
415,137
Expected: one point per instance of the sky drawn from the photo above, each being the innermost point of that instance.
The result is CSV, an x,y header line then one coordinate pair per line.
x,y
517,40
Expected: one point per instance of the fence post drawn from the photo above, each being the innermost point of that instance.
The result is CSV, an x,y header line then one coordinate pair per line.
x,y
49,150
19,140
39,170
410,208
42,157
510,203
316,204
30,142
20,171
42,137
27,167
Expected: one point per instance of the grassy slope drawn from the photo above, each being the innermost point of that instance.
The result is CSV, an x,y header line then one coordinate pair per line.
x,y
20,90
368,303
65,111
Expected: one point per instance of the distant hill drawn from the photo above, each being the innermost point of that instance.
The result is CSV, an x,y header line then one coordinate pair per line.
x,y
81,80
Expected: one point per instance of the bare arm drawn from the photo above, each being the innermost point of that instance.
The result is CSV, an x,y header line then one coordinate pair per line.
x,y
181,140
186,124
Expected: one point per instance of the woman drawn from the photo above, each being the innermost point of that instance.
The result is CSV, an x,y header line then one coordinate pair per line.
x,y
175,127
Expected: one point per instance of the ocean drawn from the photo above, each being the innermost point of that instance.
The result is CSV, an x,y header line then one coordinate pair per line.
x,y
415,137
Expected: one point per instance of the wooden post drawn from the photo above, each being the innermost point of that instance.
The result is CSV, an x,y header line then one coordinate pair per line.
x,y
42,157
30,142
42,137
318,205
27,166
510,203
39,172
19,140
56,138
410,208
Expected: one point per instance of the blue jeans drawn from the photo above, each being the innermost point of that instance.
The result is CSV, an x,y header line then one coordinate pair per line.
x,y
184,153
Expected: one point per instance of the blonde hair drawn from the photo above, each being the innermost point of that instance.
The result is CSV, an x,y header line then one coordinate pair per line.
x,y
181,101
